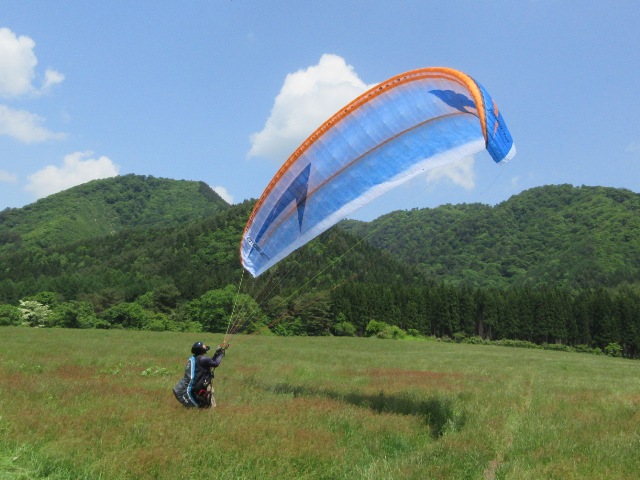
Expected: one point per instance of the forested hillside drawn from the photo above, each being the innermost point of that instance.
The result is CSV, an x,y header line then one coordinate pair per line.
x,y
191,259
561,235
553,265
104,207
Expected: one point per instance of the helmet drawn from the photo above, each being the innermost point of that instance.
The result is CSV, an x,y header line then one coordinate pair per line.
x,y
199,348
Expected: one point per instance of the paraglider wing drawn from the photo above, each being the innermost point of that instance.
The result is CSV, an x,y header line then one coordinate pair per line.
x,y
410,124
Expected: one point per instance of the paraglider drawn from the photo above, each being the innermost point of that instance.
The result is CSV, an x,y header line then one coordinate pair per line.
x,y
412,123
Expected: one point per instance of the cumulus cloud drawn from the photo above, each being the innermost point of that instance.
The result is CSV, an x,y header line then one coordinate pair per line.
x,y
7,176
17,66
17,63
460,173
17,75
76,169
226,196
307,98
25,126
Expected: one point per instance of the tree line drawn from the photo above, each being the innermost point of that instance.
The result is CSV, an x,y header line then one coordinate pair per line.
x,y
589,319
552,315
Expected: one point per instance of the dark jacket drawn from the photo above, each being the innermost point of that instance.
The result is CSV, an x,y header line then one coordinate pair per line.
x,y
198,375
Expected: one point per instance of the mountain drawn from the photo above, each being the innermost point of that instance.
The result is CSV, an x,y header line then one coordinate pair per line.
x,y
188,258
579,237
125,236
104,207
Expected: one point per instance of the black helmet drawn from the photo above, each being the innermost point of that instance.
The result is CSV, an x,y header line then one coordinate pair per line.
x,y
199,348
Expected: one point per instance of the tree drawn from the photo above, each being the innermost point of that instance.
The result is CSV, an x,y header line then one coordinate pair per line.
x,y
217,309
628,311
49,299
35,314
73,314
605,327
126,315
10,315
161,299
314,310
343,328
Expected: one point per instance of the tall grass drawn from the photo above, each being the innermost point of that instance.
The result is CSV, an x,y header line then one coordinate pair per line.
x,y
98,404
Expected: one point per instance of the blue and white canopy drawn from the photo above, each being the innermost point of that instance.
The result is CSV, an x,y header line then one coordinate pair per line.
x,y
412,123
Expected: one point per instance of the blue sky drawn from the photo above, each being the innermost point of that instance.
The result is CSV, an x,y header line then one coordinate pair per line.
x,y
223,90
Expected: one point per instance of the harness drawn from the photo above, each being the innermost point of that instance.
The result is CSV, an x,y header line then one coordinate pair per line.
x,y
191,365
194,389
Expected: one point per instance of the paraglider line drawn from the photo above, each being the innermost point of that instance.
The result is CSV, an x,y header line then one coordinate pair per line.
x,y
235,304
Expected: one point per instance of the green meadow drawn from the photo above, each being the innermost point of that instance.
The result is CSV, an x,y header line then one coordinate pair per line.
x,y
97,404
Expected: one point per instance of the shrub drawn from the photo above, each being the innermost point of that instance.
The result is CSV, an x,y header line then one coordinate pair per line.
x,y
587,349
459,337
189,326
516,343
72,314
396,333
127,315
344,329
384,330
374,327
583,348
559,347
289,328
384,334
159,322
613,350
474,340
10,315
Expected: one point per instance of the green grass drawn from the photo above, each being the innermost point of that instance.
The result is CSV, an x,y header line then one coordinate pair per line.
x,y
98,405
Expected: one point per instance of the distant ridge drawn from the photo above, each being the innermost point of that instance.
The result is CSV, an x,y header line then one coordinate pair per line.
x,y
580,237
106,206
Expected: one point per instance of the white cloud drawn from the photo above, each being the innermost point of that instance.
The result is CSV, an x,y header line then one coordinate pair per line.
x,y
76,169
7,176
51,78
25,126
307,98
17,66
17,73
460,173
226,196
17,63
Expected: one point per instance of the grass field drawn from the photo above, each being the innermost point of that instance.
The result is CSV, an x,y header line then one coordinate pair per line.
x,y
97,404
